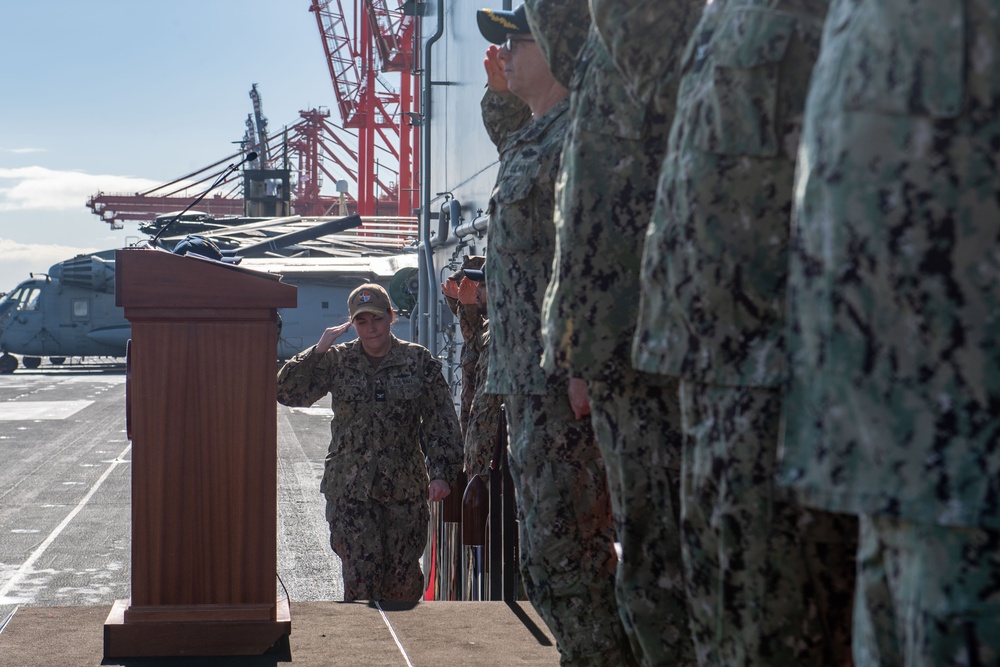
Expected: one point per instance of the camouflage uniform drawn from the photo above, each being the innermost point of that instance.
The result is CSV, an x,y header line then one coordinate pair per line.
x,y
560,29
769,582
472,325
484,415
565,529
503,116
646,39
894,309
604,199
385,420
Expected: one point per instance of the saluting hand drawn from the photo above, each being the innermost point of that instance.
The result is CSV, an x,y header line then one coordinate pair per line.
x,y
450,288
438,490
496,79
330,336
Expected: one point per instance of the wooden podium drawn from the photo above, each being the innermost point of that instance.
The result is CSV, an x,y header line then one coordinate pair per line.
x,y
201,415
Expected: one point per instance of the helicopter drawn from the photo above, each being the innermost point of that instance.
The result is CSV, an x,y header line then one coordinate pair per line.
x,y
70,311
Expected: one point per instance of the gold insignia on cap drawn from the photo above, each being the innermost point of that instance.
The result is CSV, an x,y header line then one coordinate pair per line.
x,y
501,20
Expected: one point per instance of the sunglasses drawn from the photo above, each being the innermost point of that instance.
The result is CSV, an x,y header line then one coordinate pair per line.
x,y
510,43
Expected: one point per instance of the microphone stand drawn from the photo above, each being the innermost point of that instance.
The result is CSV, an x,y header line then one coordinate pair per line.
x,y
252,155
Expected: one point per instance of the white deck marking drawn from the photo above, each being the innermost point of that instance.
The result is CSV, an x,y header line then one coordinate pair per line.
x,y
94,379
33,558
31,410
385,619
7,620
322,412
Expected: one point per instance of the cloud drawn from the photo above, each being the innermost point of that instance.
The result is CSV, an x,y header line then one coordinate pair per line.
x,y
22,151
14,251
42,189
20,259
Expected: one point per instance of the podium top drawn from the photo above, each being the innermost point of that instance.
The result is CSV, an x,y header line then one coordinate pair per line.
x,y
150,278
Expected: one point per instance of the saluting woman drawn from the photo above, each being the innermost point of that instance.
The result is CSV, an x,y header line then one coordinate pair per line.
x,y
391,410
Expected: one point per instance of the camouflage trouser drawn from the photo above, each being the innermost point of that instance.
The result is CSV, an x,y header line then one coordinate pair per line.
x,y
638,429
380,546
927,596
566,533
769,582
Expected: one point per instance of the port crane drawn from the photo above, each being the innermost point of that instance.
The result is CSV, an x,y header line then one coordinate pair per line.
x,y
360,57
372,152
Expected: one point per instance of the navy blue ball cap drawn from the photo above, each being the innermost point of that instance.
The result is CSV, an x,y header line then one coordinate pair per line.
x,y
496,24
478,275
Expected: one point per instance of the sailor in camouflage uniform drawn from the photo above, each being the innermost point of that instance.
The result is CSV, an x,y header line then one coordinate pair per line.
x,y
893,411
769,582
459,294
604,198
486,410
566,532
391,408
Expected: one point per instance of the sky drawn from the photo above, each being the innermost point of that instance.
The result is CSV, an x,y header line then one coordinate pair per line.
x,y
118,96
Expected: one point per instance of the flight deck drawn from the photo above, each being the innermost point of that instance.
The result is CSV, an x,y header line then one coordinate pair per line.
x,y
65,493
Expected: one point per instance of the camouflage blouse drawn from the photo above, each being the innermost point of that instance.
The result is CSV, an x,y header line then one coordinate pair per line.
x,y
894,275
385,419
521,241
715,260
484,416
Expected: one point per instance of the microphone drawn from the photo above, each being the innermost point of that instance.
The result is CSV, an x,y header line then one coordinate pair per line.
x,y
249,157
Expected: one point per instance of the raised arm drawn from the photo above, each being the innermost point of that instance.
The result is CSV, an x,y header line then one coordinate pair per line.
x,y
306,377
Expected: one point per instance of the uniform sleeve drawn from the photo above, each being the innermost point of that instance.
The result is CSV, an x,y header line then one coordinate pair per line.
x,y
560,28
453,304
468,360
503,115
481,434
470,322
646,39
305,378
440,433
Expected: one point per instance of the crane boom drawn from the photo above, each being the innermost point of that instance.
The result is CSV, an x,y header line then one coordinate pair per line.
x,y
375,145
380,41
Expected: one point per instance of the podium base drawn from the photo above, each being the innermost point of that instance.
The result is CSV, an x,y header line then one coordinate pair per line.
x,y
180,637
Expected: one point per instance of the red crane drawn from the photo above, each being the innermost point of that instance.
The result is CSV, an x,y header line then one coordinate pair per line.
x,y
374,146
378,42
144,206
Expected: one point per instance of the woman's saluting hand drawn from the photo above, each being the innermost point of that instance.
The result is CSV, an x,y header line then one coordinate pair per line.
x,y
330,337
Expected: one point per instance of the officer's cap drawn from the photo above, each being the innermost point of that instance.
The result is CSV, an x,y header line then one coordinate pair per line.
x,y
496,24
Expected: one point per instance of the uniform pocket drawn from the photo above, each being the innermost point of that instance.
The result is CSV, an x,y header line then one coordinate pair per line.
x,y
906,58
513,190
404,389
351,392
519,233
738,105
